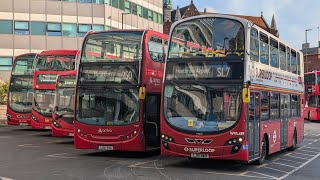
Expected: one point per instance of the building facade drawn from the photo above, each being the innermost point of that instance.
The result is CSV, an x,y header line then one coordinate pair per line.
x,y
36,25
311,57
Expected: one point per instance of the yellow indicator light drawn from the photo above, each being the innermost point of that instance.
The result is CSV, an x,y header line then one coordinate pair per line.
x,y
190,123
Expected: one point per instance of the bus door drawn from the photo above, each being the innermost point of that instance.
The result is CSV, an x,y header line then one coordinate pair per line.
x,y
152,121
253,125
284,104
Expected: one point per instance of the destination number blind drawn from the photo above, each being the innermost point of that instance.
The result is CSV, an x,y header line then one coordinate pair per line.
x,y
203,71
113,74
67,81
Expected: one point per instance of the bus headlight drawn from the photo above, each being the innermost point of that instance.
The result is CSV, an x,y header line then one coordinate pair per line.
x,y
166,138
34,118
55,124
8,116
234,141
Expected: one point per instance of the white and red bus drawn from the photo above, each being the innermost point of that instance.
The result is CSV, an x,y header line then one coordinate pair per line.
x,y
63,111
20,90
48,65
241,98
312,94
118,90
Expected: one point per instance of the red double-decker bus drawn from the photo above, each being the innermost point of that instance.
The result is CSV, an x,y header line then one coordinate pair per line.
x,y
312,93
20,90
63,111
118,90
48,65
241,98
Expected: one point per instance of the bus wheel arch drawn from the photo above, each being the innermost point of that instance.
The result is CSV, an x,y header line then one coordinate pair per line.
x,y
294,140
264,151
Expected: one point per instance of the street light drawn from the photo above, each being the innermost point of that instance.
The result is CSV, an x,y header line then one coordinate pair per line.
x,y
306,46
122,14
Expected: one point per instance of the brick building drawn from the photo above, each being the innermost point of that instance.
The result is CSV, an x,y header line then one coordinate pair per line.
x,y
311,57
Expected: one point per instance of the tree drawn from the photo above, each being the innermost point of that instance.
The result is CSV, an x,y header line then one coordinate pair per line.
x,y
4,88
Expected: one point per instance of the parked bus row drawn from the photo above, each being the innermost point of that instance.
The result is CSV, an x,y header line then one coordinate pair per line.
x,y
218,87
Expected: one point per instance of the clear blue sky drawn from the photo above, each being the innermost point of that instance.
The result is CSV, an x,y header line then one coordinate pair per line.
x,y
292,16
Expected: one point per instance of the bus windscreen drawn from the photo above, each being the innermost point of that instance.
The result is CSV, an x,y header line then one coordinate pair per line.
x,y
112,46
207,37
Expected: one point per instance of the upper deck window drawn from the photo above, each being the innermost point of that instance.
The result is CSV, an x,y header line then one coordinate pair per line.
x,y
155,49
23,65
264,49
254,45
293,62
112,46
207,37
282,54
57,63
274,53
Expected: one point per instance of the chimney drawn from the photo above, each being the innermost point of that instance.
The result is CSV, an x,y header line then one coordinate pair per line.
x,y
306,45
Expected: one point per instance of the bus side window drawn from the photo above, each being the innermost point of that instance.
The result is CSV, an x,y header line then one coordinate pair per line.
x,y
265,105
298,64
288,60
274,53
254,45
155,49
293,62
264,49
282,54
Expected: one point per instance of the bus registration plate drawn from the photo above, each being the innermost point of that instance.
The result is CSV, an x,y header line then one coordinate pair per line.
x,y
71,134
202,156
47,127
23,124
107,148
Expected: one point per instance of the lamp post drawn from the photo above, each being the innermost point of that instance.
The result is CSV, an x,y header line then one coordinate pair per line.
x,y
122,14
307,48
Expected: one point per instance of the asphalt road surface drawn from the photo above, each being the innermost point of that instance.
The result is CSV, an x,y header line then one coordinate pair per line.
x,y
29,154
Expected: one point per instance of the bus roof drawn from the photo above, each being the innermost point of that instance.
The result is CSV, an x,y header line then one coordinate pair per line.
x,y
58,52
122,30
25,54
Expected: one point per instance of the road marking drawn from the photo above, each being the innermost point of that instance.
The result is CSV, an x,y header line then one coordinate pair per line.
x,y
299,157
271,177
308,151
61,155
314,148
243,174
275,169
304,154
283,164
138,165
27,145
301,166
291,161
5,178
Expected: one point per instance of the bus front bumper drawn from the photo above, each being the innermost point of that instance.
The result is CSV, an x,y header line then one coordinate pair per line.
x,y
210,152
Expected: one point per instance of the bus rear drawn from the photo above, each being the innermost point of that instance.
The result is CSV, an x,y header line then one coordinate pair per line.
x,y
48,65
312,92
63,111
118,91
20,90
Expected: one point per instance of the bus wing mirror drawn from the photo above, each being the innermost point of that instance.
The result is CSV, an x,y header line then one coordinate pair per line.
x,y
142,93
246,95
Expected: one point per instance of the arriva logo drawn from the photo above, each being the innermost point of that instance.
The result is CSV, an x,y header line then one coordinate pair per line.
x,y
104,130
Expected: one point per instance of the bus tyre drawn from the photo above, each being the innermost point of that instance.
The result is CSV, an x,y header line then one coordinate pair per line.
x,y
294,141
309,118
263,154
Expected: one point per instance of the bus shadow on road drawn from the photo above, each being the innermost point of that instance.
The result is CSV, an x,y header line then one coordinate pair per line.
x,y
123,154
209,165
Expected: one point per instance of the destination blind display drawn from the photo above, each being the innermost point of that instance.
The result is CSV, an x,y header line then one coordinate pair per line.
x,y
47,78
204,71
67,82
21,82
114,74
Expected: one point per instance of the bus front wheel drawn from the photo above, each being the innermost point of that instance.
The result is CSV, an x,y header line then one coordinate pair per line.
x,y
264,151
